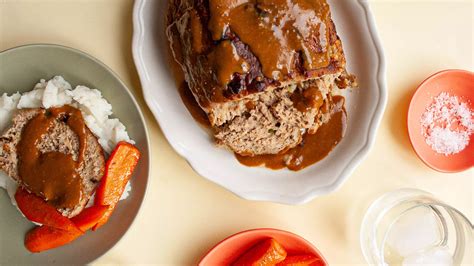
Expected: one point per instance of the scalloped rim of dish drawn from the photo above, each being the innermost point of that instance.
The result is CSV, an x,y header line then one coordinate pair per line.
x,y
138,36
135,103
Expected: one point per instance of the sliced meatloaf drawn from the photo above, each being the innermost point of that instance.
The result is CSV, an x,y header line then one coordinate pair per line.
x,y
248,64
60,138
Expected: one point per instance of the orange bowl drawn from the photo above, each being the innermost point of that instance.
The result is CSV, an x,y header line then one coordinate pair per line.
x,y
229,249
455,82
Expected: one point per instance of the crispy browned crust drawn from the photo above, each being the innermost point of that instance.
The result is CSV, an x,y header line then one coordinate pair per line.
x,y
199,73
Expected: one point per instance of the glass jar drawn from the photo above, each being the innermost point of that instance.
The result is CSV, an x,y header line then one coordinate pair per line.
x,y
411,227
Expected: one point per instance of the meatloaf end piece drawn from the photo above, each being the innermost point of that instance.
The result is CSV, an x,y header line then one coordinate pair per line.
x,y
59,138
254,113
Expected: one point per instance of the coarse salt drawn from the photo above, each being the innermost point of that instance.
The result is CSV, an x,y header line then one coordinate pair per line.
x,y
447,124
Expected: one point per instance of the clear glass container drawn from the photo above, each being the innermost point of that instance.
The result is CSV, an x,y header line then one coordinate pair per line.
x,y
411,227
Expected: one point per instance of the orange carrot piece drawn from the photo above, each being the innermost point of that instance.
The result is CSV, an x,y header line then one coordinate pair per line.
x,y
45,237
89,217
118,172
302,260
37,210
266,252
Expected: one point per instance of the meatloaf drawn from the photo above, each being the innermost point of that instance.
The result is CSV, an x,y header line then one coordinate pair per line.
x,y
264,71
59,138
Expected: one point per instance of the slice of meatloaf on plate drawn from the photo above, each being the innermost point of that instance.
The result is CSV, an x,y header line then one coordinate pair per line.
x,y
59,138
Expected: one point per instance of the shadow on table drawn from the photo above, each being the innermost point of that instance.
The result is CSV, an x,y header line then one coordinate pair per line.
x,y
397,115
126,47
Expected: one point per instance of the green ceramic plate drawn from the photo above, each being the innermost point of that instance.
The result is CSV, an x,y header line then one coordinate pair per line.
x,y
20,69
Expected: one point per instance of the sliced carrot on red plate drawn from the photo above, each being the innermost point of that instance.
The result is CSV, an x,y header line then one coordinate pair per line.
x,y
301,260
37,210
45,237
118,172
266,252
89,217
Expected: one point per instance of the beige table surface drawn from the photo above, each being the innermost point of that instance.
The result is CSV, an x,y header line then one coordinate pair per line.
x,y
183,214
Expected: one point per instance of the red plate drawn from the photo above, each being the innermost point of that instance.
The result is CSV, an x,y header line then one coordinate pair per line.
x,y
455,82
229,249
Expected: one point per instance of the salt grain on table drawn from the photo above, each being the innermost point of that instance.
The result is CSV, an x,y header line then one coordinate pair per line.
x,y
447,124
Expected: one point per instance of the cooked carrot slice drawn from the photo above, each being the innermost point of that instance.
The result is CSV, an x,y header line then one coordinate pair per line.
x,y
266,252
302,260
37,210
89,217
118,172
45,237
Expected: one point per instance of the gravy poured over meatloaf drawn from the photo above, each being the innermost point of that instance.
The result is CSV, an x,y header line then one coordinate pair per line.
x,y
53,154
264,71
53,174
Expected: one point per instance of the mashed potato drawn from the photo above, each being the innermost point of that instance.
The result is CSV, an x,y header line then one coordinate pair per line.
x,y
57,92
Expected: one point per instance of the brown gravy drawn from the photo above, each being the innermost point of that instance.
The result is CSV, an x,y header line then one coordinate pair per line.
x,y
227,62
185,93
310,98
193,107
312,149
276,31
52,175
